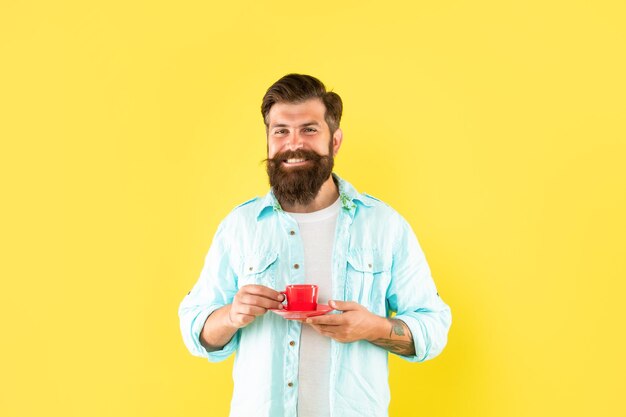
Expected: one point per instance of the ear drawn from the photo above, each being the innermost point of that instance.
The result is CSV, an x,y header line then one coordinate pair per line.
x,y
337,139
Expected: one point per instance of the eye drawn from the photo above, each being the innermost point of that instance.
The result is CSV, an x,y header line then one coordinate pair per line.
x,y
280,131
310,130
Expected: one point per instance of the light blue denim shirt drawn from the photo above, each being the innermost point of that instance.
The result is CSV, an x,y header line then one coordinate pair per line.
x,y
377,262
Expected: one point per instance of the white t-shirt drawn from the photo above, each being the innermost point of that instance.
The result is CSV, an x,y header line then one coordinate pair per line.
x,y
317,231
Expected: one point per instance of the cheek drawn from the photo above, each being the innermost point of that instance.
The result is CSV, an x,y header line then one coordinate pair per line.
x,y
271,151
273,148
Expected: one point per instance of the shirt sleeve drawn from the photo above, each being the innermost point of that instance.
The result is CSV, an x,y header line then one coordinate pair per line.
x,y
215,288
413,296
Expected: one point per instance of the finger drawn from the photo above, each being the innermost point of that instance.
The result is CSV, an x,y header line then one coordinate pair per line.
x,y
249,310
262,291
328,319
242,320
259,301
344,305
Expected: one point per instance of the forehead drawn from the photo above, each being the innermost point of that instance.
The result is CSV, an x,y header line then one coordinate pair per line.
x,y
293,113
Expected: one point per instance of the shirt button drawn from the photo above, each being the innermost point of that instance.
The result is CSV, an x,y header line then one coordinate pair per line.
x,y
292,343
292,232
369,266
290,384
296,266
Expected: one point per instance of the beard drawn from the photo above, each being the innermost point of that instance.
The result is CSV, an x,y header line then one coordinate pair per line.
x,y
300,184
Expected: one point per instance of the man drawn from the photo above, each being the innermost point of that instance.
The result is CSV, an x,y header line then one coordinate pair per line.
x,y
312,227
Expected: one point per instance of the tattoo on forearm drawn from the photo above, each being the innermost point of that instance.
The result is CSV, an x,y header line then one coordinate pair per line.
x,y
396,328
401,347
402,344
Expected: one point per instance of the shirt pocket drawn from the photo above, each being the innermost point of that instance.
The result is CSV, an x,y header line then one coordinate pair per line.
x,y
259,269
367,279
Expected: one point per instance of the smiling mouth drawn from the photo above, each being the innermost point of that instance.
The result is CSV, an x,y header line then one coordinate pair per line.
x,y
295,161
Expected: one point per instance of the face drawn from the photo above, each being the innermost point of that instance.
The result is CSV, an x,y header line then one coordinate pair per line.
x,y
300,150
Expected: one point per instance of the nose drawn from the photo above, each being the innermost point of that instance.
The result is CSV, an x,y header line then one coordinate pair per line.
x,y
294,141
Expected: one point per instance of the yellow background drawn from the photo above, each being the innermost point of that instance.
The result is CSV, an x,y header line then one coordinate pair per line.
x,y
130,129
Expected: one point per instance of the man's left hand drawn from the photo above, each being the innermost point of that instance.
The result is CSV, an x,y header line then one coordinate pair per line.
x,y
355,323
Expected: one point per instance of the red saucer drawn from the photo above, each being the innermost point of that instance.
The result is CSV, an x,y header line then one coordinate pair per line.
x,y
301,315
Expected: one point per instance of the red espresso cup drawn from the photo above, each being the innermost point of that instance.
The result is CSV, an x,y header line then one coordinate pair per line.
x,y
300,297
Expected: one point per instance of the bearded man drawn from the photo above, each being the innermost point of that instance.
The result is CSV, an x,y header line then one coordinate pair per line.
x,y
312,227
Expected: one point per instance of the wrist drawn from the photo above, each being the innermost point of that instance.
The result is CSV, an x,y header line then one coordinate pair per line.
x,y
379,329
227,319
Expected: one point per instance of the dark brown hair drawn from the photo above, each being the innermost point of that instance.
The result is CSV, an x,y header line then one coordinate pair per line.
x,y
296,88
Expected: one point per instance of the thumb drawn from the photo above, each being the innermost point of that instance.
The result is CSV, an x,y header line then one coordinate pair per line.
x,y
344,305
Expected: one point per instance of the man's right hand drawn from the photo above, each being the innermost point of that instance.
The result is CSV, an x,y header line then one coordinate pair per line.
x,y
249,302
252,301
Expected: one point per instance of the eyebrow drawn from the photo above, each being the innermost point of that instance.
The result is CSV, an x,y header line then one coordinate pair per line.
x,y
302,125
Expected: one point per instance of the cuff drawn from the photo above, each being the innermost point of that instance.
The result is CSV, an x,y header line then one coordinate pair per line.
x,y
196,329
422,346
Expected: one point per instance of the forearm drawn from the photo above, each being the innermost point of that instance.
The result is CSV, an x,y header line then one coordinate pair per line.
x,y
217,330
394,336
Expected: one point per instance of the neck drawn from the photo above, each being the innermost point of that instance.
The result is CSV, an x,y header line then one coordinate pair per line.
x,y
327,195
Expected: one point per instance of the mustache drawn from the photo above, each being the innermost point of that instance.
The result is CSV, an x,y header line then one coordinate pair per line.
x,y
297,154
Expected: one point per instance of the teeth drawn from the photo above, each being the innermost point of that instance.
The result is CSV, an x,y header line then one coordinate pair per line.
x,y
294,161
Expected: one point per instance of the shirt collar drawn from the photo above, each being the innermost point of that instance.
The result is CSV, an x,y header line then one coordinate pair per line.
x,y
347,194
